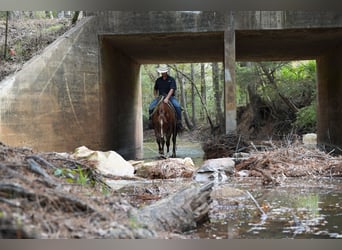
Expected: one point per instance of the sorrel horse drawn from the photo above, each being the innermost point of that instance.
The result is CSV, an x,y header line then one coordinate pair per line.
x,y
164,123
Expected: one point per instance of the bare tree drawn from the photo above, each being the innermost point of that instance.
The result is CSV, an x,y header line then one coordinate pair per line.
x,y
75,17
184,76
6,34
217,93
181,81
203,89
193,94
49,14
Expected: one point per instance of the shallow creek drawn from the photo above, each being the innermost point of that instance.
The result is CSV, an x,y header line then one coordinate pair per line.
x,y
298,208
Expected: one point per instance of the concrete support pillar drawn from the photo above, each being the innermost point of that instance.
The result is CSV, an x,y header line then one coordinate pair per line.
x,y
229,75
329,108
121,109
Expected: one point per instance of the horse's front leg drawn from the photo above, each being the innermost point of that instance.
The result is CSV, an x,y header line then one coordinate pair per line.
x,y
161,146
174,136
168,145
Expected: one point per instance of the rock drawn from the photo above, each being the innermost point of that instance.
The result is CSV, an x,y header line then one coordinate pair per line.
x,y
108,163
215,170
239,157
243,173
310,140
166,169
216,176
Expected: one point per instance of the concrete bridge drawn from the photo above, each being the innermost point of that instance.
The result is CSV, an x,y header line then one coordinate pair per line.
x,y
85,88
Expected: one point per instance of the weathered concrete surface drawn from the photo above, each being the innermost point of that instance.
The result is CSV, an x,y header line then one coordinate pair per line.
x,y
84,89
329,105
53,102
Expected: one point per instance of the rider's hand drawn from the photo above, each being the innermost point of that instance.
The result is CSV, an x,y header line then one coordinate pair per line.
x,y
166,100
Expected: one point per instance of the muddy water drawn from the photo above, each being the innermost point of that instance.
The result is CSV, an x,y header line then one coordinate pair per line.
x,y
185,148
299,208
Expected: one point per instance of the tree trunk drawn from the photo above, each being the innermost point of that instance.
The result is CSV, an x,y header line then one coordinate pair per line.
x,y
217,93
203,90
75,17
193,95
48,14
6,34
269,73
182,98
198,93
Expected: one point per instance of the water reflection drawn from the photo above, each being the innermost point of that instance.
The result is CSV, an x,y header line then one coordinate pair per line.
x,y
299,208
302,208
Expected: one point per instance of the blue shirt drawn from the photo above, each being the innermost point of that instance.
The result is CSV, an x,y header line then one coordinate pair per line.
x,y
164,86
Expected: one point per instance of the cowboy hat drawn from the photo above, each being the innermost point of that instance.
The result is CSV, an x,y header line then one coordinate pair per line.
x,y
163,68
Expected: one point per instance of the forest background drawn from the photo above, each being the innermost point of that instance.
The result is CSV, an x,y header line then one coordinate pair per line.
x,y
274,99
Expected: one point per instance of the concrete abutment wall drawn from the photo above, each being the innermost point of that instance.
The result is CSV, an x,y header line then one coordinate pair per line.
x,y
85,88
120,101
329,104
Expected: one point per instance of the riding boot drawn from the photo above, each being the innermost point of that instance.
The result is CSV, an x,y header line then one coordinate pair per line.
x,y
150,124
179,126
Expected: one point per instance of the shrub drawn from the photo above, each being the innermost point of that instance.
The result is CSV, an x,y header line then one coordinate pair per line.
x,y
306,119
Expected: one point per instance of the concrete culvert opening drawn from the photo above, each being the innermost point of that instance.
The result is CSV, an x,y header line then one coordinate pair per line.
x,y
120,62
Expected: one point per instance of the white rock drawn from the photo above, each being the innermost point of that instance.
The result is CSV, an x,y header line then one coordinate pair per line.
x,y
243,173
220,164
310,140
108,162
210,176
215,170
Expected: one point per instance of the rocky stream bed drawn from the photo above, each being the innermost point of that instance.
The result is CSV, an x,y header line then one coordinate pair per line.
x,y
54,195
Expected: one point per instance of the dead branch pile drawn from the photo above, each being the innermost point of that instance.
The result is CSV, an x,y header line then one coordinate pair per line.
x,y
34,203
291,161
218,146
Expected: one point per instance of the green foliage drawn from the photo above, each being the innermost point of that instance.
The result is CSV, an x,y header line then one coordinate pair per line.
x,y
306,119
53,28
82,177
284,87
291,81
105,190
73,175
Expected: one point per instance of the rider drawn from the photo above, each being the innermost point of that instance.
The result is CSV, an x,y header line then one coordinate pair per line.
x,y
166,86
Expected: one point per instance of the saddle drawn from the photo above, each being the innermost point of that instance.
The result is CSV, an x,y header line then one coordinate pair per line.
x,y
160,99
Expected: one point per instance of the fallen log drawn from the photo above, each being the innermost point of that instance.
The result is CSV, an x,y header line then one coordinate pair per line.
x,y
180,212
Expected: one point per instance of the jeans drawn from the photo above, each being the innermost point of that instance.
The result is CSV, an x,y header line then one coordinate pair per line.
x,y
174,102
